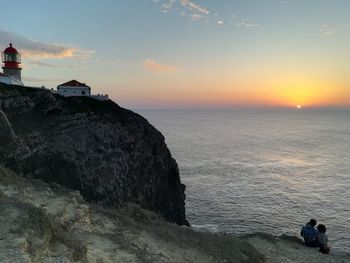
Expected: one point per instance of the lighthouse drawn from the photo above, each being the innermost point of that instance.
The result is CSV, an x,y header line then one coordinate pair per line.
x,y
12,66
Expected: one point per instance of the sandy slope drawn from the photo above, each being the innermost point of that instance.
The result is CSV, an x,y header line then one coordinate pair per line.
x,y
48,223
288,249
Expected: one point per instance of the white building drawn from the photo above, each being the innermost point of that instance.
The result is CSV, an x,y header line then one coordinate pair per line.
x,y
73,88
10,80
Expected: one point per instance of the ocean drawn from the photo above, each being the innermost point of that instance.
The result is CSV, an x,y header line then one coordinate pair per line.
x,y
250,171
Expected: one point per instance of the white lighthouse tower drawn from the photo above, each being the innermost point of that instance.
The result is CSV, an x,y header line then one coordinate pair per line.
x,y
12,66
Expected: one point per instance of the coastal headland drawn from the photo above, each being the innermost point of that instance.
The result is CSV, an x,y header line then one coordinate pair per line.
x,y
83,180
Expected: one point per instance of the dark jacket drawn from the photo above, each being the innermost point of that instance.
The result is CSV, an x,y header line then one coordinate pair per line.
x,y
309,233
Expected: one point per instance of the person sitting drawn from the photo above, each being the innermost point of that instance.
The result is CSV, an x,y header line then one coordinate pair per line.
x,y
323,239
310,234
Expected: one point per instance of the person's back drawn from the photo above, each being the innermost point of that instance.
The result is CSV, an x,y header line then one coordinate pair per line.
x,y
310,234
323,239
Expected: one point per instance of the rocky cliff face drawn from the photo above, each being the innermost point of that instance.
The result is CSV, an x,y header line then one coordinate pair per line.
x,y
111,155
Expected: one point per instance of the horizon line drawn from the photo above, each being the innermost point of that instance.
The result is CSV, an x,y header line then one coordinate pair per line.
x,y
305,108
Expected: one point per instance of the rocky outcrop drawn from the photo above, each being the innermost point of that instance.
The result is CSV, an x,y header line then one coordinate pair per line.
x,y
47,223
110,154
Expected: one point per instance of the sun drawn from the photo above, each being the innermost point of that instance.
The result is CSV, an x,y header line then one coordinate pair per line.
x,y
299,106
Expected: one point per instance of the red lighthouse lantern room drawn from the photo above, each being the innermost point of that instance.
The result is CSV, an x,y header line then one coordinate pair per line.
x,y
12,62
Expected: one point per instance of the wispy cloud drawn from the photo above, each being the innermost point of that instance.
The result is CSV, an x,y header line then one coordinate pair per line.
x,y
42,64
243,24
34,49
195,8
327,30
287,4
50,65
35,80
165,5
197,12
187,8
156,67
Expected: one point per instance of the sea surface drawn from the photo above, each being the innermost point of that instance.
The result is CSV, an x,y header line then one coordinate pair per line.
x,y
268,171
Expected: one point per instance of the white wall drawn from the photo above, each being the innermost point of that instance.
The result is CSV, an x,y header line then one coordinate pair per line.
x,y
11,81
68,91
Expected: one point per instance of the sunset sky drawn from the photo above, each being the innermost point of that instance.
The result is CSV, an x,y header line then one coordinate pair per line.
x,y
187,53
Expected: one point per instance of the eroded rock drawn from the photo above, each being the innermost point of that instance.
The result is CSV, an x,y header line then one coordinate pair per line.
x,y
111,155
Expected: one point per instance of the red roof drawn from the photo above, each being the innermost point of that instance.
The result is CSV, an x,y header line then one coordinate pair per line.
x,y
11,49
74,83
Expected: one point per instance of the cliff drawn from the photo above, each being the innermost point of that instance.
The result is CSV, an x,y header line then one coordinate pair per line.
x,y
50,145
111,155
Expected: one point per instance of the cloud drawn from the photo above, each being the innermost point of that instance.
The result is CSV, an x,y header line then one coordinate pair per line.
x,y
165,5
328,30
243,24
196,12
49,65
194,7
156,67
187,8
287,4
30,79
34,49
42,64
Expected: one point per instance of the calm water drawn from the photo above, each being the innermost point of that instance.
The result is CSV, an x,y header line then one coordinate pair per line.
x,y
270,171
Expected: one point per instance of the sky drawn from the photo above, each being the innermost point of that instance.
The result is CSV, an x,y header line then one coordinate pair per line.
x,y
187,53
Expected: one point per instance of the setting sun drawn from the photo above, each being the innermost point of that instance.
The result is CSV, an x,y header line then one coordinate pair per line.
x,y
298,106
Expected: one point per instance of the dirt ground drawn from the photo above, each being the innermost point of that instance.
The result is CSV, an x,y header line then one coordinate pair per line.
x,y
48,223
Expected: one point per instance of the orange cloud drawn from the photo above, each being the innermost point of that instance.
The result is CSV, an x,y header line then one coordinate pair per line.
x,y
156,67
34,49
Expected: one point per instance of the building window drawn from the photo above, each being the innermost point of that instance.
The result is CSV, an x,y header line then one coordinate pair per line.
x,y
83,92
